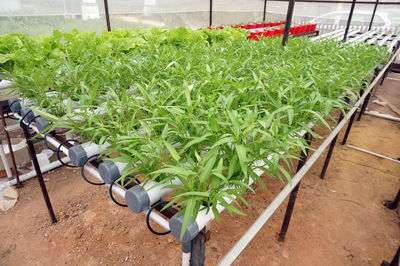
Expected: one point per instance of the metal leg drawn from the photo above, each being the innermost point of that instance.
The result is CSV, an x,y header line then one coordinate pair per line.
x,y
346,135
198,254
393,204
38,173
328,157
331,147
19,184
293,194
388,70
364,106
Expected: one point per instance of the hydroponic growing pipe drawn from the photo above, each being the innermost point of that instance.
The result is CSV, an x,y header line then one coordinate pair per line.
x,y
10,149
230,257
89,150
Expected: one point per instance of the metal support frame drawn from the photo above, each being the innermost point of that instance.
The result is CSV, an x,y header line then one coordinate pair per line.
x,y
393,204
346,135
10,149
349,20
265,10
211,11
293,194
373,15
107,13
289,16
39,175
198,252
328,157
364,106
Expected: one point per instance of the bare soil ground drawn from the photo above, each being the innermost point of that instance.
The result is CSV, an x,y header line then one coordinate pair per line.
x,y
340,220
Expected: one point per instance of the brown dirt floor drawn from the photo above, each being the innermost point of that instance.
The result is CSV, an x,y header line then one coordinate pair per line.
x,y
336,221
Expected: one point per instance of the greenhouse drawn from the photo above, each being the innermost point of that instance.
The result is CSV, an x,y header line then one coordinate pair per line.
x,y
200,132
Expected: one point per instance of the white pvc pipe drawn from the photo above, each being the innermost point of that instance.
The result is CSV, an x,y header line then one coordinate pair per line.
x,y
5,84
385,116
121,167
231,256
32,173
327,34
373,153
385,39
121,192
158,219
186,258
393,42
362,37
5,161
93,148
156,191
377,36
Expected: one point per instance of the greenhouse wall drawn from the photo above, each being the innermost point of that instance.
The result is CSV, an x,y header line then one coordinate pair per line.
x,y
36,17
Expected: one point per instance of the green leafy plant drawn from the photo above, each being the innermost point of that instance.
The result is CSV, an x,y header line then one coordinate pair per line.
x,y
200,106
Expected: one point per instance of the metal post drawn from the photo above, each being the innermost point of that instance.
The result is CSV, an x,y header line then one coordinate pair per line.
x,y
364,106
289,16
393,204
10,149
333,143
349,20
211,10
107,15
293,194
328,157
198,256
373,15
38,172
265,9
346,135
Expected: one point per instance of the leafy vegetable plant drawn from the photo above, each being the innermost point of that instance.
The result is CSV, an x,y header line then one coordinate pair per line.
x,y
200,106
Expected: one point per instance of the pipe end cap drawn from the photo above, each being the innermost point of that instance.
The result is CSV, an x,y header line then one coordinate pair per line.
x,y
77,155
42,123
137,199
16,105
109,172
28,113
175,225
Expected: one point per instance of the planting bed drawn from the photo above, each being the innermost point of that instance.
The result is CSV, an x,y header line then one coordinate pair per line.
x,y
328,226
164,128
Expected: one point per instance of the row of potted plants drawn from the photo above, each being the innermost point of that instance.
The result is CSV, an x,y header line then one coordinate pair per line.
x,y
278,31
253,25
